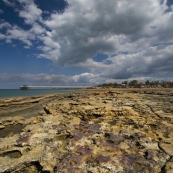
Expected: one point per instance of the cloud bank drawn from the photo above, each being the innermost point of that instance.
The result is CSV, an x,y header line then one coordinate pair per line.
x,y
11,81
136,36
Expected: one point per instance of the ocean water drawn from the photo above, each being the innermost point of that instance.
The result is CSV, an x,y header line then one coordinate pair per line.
x,y
5,93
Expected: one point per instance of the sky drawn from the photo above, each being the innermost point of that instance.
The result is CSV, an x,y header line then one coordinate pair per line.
x,y
85,42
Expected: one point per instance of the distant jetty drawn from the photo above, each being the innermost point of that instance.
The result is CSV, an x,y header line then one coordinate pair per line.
x,y
26,87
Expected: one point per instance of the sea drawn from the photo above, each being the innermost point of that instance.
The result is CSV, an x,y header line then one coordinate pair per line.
x,y
7,93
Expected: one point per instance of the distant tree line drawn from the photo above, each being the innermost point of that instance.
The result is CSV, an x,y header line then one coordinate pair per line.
x,y
137,84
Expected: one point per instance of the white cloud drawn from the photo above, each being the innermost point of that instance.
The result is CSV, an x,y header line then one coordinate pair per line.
x,y
32,15
87,27
37,79
1,11
13,80
48,41
26,47
123,66
51,48
137,37
37,29
27,10
46,12
7,2
8,40
19,34
30,12
84,78
2,36
4,24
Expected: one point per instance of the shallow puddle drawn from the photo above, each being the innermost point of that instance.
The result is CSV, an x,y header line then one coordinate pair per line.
x,y
12,154
15,129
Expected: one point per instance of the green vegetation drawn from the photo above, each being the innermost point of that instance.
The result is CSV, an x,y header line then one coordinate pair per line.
x,y
137,84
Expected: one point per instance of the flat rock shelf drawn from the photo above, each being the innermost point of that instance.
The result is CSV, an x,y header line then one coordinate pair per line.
x,y
97,131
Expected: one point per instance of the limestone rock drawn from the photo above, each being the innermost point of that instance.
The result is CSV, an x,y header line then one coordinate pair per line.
x,y
168,148
1,127
101,131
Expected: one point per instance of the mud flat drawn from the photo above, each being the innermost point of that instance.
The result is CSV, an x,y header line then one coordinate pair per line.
x,y
107,131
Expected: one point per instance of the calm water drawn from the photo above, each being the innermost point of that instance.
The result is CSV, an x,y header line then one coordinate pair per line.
x,y
4,93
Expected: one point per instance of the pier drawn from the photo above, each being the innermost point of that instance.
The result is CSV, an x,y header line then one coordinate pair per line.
x,y
26,87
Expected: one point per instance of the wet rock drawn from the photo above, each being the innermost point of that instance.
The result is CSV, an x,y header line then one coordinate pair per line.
x,y
11,129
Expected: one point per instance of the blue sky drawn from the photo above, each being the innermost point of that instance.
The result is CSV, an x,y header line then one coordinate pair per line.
x,y
85,42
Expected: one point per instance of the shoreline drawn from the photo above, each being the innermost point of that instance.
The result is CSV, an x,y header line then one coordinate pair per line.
x,y
32,93
29,105
23,105
86,130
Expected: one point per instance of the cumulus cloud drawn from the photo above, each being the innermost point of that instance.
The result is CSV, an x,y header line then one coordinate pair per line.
x,y
30,12
88,27
18,33
37,29
136,37
26,36
123,66
50,48
146,62
32,16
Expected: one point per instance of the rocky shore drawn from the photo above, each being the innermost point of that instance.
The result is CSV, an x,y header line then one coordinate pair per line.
x,y
98,131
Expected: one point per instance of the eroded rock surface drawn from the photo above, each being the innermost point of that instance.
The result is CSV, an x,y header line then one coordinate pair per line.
x,y
119,131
